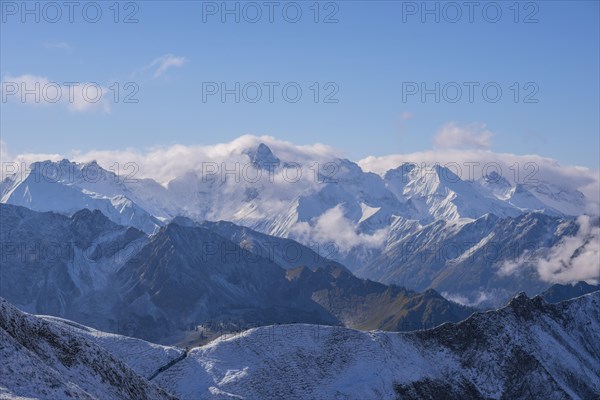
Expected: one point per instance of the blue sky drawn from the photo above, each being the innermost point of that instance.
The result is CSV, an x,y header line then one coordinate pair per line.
x,y
369,55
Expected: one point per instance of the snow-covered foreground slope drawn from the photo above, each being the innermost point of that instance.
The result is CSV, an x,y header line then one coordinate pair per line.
x,y
44,360
143,357
528,349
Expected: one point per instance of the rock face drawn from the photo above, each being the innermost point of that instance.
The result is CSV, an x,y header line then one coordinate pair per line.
x,y
262,157
43,360
189,275
528,349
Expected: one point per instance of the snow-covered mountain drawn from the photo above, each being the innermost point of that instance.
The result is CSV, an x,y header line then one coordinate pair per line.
x,y
53,264
45,360
365,221
145,358
256,188
528,349
470,259
68,187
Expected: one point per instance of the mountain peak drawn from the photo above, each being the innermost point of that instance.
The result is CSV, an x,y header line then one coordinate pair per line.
x,y
87,224
524,307
494,178
262,157
400,172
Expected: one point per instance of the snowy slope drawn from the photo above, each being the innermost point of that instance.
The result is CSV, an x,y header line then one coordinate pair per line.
x,y
466,258
143,357
527,349
44,360
67,187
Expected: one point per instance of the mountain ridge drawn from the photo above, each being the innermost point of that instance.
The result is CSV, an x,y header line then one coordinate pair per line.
x,y
526,347
163,286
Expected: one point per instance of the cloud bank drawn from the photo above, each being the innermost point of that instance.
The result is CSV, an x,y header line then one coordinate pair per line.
x,y
164,163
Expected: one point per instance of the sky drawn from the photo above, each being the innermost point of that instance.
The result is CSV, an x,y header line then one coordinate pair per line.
x,y
362,68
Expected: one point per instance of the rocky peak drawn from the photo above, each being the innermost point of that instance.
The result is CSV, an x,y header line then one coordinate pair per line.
x,y
262,157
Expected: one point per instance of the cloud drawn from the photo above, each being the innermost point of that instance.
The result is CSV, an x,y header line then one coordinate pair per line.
x,y
403,118
18,85
333,227
165,62
454,136
575,258
20,162
40,91
164,163
480,297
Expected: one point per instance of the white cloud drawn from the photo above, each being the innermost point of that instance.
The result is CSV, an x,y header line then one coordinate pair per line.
x,y
479,298
164,163
18,163
4,156
165,62
455,136
574,258
41,91
15,87
333,226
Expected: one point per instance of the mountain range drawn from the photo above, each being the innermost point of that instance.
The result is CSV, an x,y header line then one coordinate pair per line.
x,y
294,274
477,240
162,287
